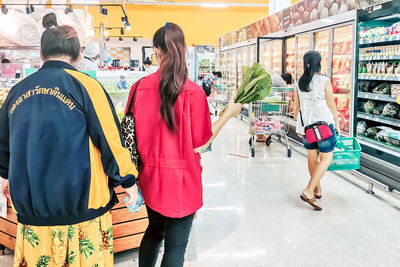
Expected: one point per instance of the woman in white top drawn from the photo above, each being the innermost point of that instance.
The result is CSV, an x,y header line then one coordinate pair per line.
x,y
314,102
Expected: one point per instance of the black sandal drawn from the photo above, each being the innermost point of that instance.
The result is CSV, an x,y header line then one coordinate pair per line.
x,y
311,202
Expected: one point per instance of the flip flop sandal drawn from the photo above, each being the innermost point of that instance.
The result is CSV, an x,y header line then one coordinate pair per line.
x,y
318,196
311,202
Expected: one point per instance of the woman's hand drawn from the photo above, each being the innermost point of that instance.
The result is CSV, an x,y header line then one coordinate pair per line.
x,y
5,190
233,109
133,195
300,135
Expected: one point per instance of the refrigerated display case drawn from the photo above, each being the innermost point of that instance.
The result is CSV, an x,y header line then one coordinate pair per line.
x,y
302,46
377,109
321,44
342,54
290,55
271,55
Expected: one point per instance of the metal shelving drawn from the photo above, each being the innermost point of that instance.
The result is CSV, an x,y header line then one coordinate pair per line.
x,y
379,145
373,58
381,41
384,120
379,77
373,96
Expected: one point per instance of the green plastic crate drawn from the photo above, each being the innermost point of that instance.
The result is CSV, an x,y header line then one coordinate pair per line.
x,y
348,158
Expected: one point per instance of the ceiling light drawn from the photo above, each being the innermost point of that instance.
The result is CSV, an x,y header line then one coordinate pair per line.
x,y
215,5
128,26
28,10
122,31
4,10
120,39
82,2
105,33
68,9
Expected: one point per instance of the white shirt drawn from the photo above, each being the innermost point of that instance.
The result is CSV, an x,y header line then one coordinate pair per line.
x,y
313,104
152,69
87,64
278,81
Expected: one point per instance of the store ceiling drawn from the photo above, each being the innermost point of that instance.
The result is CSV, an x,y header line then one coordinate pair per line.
x,y
211,3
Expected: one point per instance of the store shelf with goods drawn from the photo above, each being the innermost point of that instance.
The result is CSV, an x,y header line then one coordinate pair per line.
x,y
375,58
380,97
379,145
322,46
385,40
379,77
303,45
380,119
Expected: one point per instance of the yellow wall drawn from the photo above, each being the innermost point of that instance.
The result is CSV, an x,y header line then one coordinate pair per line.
x,y
201,25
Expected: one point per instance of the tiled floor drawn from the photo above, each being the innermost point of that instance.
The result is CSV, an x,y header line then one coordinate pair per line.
x,y
253,216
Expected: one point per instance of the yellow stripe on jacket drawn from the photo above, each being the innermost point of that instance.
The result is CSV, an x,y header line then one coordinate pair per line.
x,y
107,122
99,194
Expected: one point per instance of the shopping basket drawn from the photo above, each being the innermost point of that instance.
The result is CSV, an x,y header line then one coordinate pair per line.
x,y
346,155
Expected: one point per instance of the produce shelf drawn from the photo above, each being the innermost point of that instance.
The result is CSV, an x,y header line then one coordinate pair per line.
x,y
381,41
379,145
384,120
373,96
379,77
394,57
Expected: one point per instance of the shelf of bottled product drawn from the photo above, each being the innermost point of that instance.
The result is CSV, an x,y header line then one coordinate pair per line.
x,y
381,41
373,96
382,146
380,119
379,77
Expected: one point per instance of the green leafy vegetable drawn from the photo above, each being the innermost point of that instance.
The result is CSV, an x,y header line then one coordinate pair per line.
x,y
256,85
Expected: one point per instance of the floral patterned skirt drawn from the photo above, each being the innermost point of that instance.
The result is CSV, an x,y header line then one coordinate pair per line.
x,y
88,244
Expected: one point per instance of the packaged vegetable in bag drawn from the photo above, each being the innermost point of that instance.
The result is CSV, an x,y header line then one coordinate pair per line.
x,y
395,90
372,132
390,110
383,88
377,110
362,127
369,106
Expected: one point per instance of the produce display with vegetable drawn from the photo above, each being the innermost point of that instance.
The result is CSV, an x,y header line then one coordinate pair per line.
x,y
369,106
256,85
383,88
362,128
390,110
372,132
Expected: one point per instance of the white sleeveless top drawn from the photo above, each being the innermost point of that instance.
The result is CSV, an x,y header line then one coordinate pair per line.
x,y
313,104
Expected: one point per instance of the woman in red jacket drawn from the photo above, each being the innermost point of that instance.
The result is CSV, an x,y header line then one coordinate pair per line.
x,y
173,125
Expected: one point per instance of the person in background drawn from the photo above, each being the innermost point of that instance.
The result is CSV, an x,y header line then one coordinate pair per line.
x,y
89,60
148,66
173,125
209,82
287,77
61,156
314,102
127,67
5,60
122,84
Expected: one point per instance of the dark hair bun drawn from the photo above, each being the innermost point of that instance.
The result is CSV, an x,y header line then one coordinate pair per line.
x,y
147,61
49,20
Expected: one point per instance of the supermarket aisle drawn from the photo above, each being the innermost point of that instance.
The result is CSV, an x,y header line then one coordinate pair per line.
x,y
253,216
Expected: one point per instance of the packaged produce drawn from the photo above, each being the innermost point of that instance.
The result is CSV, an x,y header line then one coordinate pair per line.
x,y
383,88
377,110
390,110
369,106
383,134
394,138
372,132
362,128
395,90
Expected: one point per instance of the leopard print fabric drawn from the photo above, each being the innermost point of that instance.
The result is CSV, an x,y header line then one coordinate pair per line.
x,y
129,134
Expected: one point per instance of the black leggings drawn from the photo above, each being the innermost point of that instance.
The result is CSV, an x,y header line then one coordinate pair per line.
x,y
174,231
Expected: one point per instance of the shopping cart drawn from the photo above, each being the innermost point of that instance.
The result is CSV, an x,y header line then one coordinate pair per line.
x,y
268,117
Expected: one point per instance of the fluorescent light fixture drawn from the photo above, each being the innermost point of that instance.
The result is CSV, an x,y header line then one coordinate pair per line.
x,y
105,33
120,39
214,5
128,26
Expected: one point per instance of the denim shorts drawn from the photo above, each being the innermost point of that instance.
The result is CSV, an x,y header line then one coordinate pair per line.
x,y
323,146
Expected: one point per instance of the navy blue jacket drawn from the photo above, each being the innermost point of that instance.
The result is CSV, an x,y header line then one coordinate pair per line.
x,y
61,147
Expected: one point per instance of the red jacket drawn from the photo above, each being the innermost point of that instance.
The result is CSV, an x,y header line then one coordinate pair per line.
x,y
170,179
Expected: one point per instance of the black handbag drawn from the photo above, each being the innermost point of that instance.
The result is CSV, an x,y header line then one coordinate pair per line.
x,y
128,130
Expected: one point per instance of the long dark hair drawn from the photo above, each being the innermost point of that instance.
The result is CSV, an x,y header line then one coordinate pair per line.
x,y
58,40
171,40
312,65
